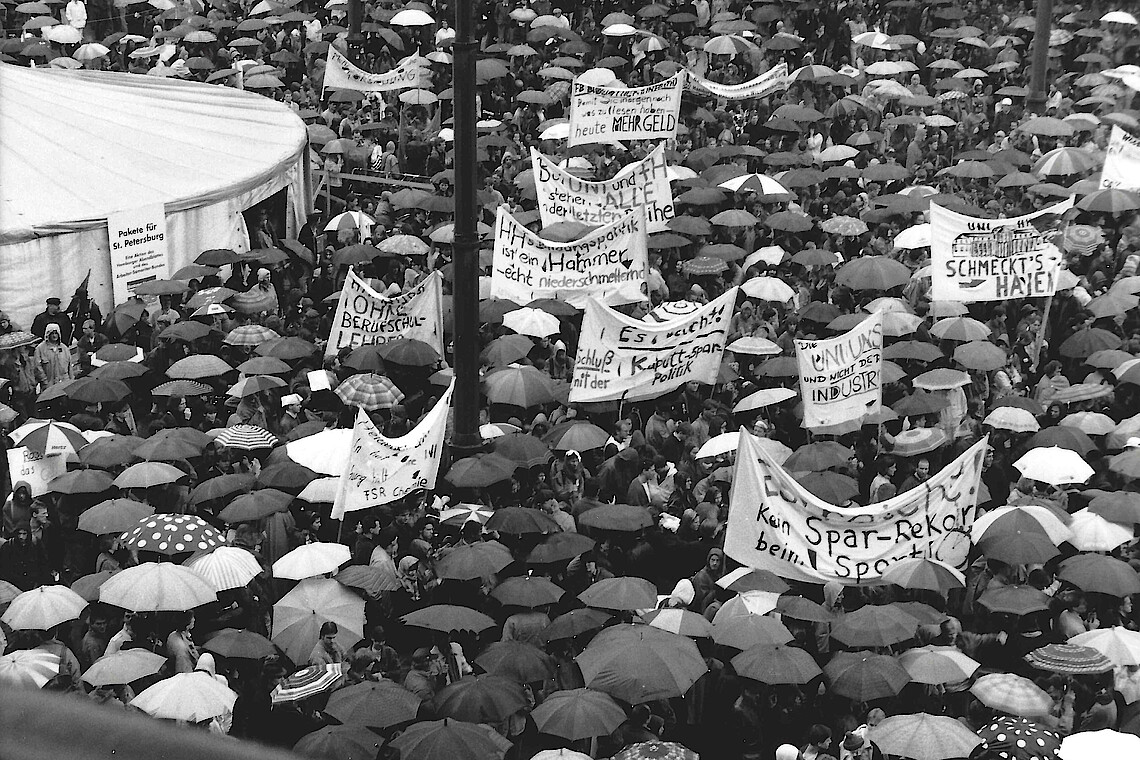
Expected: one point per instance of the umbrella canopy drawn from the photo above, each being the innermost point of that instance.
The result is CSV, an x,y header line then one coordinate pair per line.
x,y
875,626
340,743
518,521
559,547
157,587
618,517
1100,573
862,676
1054,465
639,663
450,739
375,704
306,682
527,591
924,737
620,593
578,714
575,622
776,664
123,667
113,516
299,615
310,560
680,621
1016,738
485,698
480,560
226,567
924,573
173,534
1105,743
240,644
448,617
192,697
1012,694
517,660
656,750
31,668
1118,644
148,475
1069,658
43,608
937,665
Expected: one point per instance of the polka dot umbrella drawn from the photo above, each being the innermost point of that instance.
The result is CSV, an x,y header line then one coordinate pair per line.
x,y
173,534
1011,738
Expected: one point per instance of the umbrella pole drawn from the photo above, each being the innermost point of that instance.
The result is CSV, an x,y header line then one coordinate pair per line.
x,y
1040,339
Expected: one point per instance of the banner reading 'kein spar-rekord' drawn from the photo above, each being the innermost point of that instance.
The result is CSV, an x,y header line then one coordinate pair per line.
x,y
604,114
608,264
995,259
564,197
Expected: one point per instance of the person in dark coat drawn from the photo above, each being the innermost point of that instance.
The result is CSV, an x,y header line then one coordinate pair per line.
x,y
51,315
22,562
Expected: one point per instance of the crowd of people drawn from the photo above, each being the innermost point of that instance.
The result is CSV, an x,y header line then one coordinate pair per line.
x,y
570,591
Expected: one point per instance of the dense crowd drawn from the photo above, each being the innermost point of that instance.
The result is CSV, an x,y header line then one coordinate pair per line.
x,y
568,588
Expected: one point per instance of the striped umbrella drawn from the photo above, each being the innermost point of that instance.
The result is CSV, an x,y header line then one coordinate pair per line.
x,y
173,534
49,437
306,682
43,608
181,388
1069,658
250,335
226,567
247,437
370,392
197,366
28,667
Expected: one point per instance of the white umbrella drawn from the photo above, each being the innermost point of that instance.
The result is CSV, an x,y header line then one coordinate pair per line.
x,y
769,254
1093,533
28,667
763,398
1118,644
1090,423
754,347
411,17
226,567
90,52
721,444
768,289
619,30
65,34
192,697
325,452
533,322
311,560
597,77
558,131
1105,744
1119,17
1012,418
351,220
1054,465
918,236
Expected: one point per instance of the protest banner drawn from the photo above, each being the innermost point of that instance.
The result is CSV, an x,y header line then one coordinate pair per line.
x,y
343,74
37,470
1121,162
564,197
365,317
381,470
137,241
840,378
608,264
622,358
773,80
995,259
604,114
776,524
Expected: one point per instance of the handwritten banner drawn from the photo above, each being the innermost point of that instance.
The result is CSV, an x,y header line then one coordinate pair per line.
x,y
381,469
137,240
841,377
609,263
564,197
776,524
343,74
773,80
365,317
621,358
605,114
1121,161
37,470
995,259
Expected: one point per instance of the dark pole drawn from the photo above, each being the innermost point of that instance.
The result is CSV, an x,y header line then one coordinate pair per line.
x,y
355,38
1038,82
466,246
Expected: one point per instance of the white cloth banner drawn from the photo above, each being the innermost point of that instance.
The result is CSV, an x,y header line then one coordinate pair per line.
x,y
841,377
381,470
365,317
773,80
138,243
995,259
776,524
343,74
564,197
605,114
622,358
1121,161
609,264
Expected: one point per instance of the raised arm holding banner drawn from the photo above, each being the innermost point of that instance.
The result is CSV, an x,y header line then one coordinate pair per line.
x,y
776,524
343,74
773,80
605,114
364,317
995,259
564,197
609,264
841,377
622,358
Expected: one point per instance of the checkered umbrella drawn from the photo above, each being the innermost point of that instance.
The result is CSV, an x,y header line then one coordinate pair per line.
x,y
247,437
306,682
370,392
226,567
181,388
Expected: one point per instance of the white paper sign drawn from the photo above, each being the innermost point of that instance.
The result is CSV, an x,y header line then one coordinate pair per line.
x,y
35,469
995,259
137,240
343,74
776,524
604,114
773,80
624,358
365,317
608,264
564,197
841,377
1121,161
381,470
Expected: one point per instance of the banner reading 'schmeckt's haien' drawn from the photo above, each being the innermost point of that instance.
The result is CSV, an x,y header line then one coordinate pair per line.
x,y
995,259
773,80
776,524
341,73
840,378
608,264
564,197
605,114
364,317
381,470
624,358
1121,161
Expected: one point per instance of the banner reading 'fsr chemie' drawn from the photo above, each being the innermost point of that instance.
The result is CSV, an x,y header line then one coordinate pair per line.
x,y
564,197
995,259
1121,161
604,114
365,317
608,264
772,80
840,378
776,524
620,357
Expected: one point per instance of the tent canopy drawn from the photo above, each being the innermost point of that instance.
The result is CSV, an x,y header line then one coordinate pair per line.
x,y
78,145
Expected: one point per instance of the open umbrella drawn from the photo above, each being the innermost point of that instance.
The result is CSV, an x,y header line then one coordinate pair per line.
x,y
450,739
1054,465
618,517
340,743
485,698
875,626
924,737
1100,573
310,560
559,547
148,475
1017,738
620,593
173,534
448,617
113,516
123,667
639,663
480,560
776,664
43,608
190,697
578,714
575,622
924,573
1072,659
1015,600
1118,644
1012,694
299,615
306,682
157,587
937,665
31,668
863,676
226,567
518,661
1094,745
240,644
527,591
375,704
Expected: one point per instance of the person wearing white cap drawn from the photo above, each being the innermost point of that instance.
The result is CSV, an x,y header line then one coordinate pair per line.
x,y
291,416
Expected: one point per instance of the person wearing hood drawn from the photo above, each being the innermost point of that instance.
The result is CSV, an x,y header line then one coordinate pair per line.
x,y
704,582
833,603
18,507
23,562
616,474
52,358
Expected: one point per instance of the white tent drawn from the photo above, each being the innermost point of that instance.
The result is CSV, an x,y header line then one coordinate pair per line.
x,y
76,146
